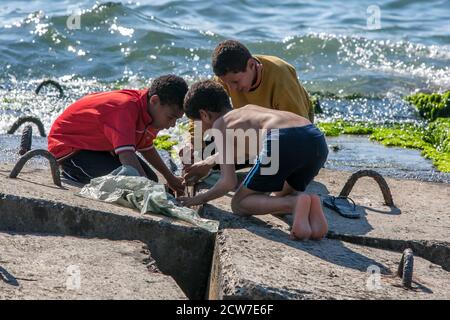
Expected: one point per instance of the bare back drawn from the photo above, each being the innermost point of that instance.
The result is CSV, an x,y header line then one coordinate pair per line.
x,y
254,119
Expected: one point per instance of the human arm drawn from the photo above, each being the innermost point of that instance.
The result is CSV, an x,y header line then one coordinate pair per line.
x,y
226,183
130,158
175,183
200,169
228,179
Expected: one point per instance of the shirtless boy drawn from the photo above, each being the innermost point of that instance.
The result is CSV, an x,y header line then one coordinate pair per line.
x,y
290,143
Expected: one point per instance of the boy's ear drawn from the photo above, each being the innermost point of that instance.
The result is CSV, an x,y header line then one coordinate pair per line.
x,y
204,115
250,63
154,100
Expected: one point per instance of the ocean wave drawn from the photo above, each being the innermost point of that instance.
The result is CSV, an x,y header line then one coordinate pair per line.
x,y
118,40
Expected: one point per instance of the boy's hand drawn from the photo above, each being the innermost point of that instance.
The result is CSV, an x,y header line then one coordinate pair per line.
x,y
194,201
197,171
176,184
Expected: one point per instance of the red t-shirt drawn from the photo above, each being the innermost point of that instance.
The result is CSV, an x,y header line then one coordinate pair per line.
x,y
105,121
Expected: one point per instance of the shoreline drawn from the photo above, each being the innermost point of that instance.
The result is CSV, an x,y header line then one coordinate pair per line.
x,y
353,152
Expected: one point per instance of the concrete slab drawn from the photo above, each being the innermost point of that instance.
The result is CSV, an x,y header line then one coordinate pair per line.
x,y
31,203
42,266
422,208
420,218
255,259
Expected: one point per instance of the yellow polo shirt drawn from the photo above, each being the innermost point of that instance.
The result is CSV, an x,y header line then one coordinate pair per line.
x,y
279,89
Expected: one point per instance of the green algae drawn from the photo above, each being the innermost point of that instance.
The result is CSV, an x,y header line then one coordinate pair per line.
x,y
183,127
8,100
333,129
431,106
438,136
163,142
433,139
405,136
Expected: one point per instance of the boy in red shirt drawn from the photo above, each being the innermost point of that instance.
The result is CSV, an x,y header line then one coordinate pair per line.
x,y
102,131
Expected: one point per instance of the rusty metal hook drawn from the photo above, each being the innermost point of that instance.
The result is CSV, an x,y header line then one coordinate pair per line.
x,y
387,195
38,152
50,82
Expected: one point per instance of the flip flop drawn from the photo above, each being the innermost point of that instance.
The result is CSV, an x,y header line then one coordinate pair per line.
x,y
343,205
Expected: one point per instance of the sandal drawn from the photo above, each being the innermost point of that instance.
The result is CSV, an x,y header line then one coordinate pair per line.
x,y
345,206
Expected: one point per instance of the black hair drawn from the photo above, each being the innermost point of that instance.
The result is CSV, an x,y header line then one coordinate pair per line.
x,y
230,56
207,95
170,89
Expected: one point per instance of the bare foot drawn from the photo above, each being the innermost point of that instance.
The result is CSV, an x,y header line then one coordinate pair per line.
x,y
301,228
317,219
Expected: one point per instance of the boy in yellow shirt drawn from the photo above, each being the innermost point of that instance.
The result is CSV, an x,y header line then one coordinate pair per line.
x,y
267,81
263,80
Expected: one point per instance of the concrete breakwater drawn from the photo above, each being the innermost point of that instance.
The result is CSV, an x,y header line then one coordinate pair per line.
x,y
248,258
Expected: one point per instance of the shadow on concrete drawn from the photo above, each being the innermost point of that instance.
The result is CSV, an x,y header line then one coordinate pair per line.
x,y
341,225
8,277
41,184
332,251
6,173
336,222
394,211
71,183
422,288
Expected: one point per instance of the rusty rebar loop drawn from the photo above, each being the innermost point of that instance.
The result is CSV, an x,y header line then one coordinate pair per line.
x,y
387,195
26,119
38,152
50,82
